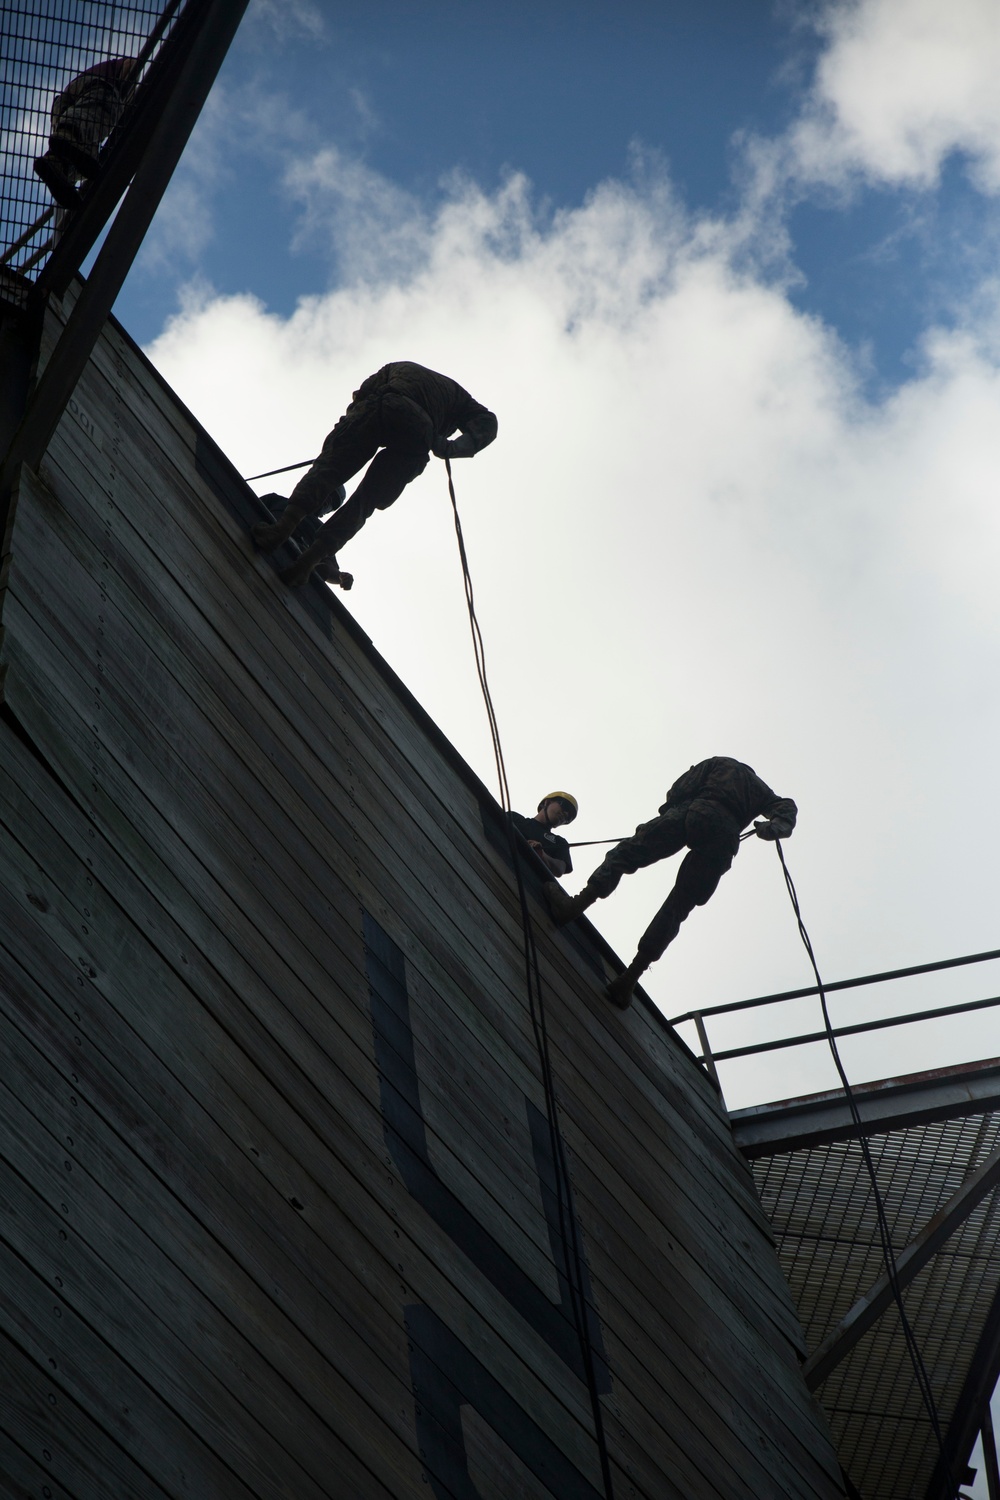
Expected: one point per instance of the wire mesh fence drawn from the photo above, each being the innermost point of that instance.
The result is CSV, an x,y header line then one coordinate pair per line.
x,y
52,97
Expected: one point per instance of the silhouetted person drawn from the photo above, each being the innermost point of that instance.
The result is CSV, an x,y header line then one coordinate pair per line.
x,y
706,810
398,417
83,116
555,809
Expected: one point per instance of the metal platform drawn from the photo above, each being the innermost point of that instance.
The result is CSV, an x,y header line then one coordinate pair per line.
x,y
935,1143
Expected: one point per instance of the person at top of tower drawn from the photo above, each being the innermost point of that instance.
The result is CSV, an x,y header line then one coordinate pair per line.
x,y
555,809
82,118
705,810
397,418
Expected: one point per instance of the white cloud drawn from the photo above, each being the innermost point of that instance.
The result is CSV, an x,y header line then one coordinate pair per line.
x,y
899,87
369,224
694,535
184,225
285,20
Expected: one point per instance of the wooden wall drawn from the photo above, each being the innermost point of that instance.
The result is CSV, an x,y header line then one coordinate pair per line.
x,y
277,1213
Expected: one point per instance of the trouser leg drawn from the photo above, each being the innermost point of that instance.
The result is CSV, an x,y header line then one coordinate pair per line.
x,y
651,842
355,439
699,875
388,475
346,449
81,123
396,425
406,431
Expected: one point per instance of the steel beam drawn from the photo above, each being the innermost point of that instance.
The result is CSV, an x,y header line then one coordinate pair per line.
x,y
890,1104
990,1454
959,1440
869,1308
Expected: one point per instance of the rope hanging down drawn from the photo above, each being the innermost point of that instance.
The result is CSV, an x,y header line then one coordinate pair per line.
x,y
888,1253
536,1006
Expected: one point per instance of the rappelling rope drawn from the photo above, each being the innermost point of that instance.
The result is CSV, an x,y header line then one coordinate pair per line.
x,y
536,1006
286,470
888,1253
587,843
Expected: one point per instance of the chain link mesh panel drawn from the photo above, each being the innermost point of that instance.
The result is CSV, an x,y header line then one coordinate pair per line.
x,y
46,44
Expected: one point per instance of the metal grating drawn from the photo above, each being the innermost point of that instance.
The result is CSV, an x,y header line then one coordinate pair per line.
x,y
47,43
820,1205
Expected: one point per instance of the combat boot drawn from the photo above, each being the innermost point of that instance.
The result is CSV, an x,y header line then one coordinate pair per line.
x,y
565,908
620,990
84,161
268,537
59,181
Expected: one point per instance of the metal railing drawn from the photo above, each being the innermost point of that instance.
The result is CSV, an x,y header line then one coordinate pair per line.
x,y
710,1058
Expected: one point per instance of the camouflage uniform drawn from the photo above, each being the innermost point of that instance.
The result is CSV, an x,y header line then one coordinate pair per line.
x,y
705,811
89,108
406,411
83,116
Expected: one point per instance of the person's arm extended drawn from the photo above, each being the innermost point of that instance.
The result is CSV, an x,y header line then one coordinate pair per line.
x,y
780,815
478,428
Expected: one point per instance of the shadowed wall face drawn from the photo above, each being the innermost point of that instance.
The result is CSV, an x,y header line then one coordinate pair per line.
x,y
280,1216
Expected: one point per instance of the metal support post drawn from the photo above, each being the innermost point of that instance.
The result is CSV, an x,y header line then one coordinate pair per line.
x,y
706,1051
990,1455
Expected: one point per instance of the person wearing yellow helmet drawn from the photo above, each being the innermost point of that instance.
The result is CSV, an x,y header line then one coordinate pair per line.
x,y
555,809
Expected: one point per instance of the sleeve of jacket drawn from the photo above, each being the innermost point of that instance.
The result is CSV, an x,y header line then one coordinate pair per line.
x,y
478,427
782,812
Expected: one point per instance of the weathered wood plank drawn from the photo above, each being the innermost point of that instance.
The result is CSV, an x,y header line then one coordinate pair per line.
x,y
26,1479
209,821
297,1297
42,1418
315,1204
96,923
259,776
160,1259
740,1169
81,1363
162,1154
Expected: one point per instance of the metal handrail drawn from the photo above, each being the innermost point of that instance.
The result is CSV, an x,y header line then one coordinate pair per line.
x,y
838,984
710,1058
28,234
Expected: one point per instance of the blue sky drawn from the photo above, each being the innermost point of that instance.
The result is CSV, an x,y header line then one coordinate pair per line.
x,y
567,95
562,93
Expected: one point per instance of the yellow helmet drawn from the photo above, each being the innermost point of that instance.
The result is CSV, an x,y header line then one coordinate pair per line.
x,y
571,804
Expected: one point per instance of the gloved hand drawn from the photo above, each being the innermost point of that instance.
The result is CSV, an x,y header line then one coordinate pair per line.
x,y
461,447
768,831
